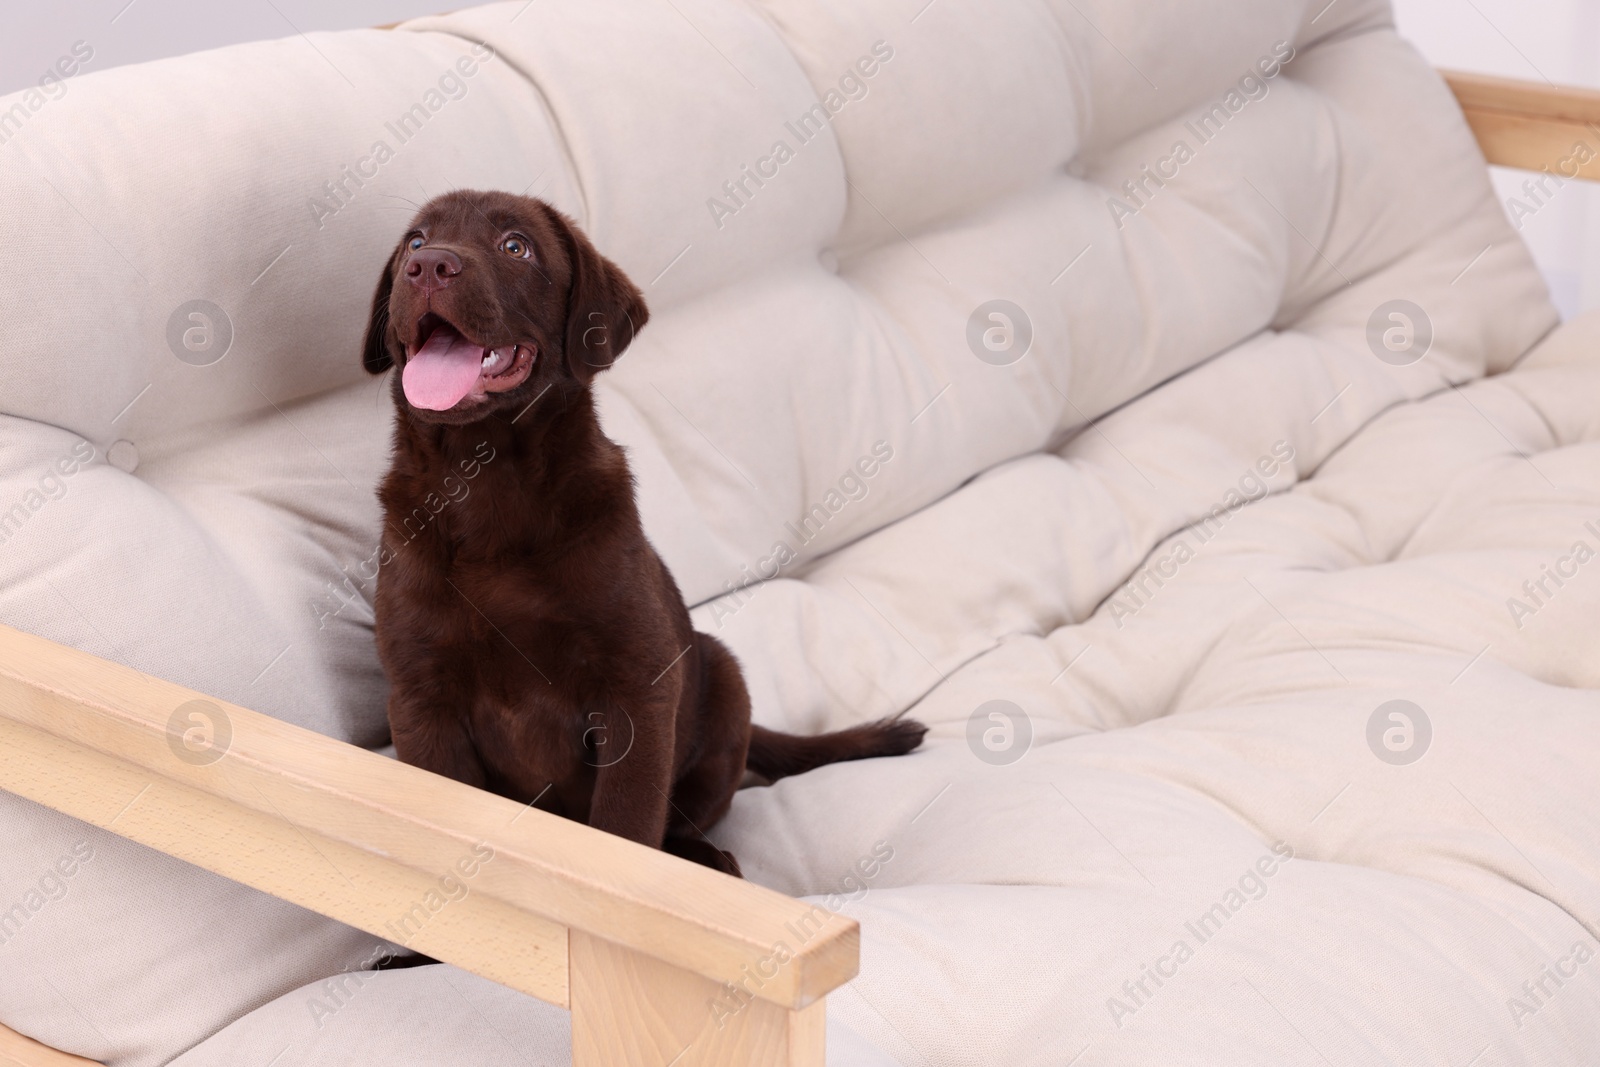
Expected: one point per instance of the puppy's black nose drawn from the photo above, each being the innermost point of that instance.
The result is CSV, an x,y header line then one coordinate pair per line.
x,y
432,268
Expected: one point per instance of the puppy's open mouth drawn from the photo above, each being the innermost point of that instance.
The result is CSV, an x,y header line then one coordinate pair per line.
x,y
444,367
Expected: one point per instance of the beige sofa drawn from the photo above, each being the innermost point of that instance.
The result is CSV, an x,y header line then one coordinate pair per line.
x,y
978,398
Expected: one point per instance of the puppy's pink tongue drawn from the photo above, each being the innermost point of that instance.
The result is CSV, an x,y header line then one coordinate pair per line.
x,y
442,371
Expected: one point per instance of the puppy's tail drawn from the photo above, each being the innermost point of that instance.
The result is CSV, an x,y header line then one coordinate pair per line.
x,y
774,755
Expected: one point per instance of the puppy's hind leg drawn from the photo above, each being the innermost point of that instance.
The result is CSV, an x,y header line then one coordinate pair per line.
x,y
703,792
701,851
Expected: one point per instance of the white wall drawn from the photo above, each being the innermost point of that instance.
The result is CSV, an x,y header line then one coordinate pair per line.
x,y
36,34
1553,40
1544,40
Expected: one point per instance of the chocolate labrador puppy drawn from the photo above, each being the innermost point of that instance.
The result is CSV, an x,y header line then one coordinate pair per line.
x,y
535,643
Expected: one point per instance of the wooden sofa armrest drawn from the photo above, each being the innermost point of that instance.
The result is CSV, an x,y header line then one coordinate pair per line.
x,y
1530,125
19,1051
660,961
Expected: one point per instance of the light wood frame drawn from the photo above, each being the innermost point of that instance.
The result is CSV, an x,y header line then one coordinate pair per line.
x,y
659,960
638,945
1531,126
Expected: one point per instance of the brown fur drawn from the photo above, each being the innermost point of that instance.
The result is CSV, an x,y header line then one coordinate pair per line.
x,y
535,643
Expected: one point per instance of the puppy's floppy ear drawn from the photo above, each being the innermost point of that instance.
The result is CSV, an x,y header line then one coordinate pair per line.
x,y
375,348
604,308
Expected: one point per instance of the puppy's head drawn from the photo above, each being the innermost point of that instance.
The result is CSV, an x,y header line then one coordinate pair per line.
x,y
489,300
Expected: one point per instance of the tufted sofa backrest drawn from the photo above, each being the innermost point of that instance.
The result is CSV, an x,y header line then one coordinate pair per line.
x,y
946,234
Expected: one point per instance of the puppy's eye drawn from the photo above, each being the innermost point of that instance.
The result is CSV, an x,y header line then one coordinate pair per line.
x,y
415,242
514,246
